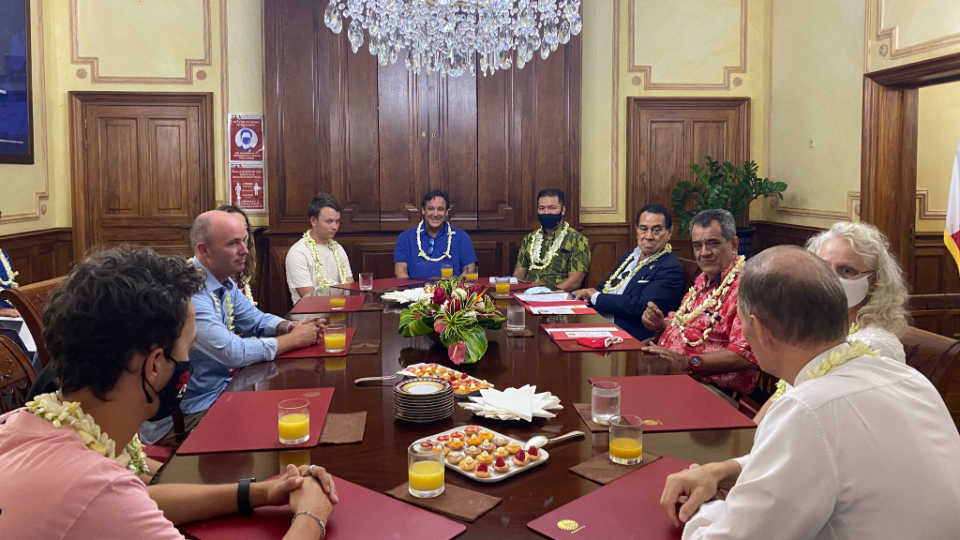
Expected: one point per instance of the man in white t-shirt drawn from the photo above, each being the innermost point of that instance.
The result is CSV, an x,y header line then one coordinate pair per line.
x,y
316,261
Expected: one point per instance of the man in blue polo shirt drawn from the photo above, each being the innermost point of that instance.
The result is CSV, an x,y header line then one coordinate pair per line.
x,y
423,250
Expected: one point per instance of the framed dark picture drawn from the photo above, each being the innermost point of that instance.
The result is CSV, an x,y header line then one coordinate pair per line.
x,y
16,100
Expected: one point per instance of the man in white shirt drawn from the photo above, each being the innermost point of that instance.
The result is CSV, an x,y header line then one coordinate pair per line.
x,y
861,448
316,261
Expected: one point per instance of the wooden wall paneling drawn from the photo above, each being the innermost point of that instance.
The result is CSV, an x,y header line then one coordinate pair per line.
x,y
771,234
499,194
490,257
404,145
40,255
935,271
550,168
453,145
607,244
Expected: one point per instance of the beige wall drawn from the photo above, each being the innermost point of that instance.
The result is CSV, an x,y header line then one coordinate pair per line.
x,y
173,46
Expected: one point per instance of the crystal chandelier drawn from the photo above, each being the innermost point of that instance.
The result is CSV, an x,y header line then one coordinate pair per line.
x,y
452,36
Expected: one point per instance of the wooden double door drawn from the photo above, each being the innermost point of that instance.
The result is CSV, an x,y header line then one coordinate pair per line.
x,y
142,168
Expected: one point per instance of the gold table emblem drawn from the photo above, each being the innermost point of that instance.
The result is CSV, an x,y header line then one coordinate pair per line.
x,y
567,525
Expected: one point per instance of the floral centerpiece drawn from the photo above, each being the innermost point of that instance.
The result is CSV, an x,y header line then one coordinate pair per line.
x,y
459,314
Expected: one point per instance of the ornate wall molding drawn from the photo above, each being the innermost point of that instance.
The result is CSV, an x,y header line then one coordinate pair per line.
x,y
44,195
892,36
647,71
614,205
94,61
924,213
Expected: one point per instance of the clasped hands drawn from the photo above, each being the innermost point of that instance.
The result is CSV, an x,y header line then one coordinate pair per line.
x,y
307,488
308,332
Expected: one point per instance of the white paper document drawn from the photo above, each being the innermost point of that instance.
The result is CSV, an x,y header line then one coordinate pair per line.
x,y
582,329
550,297
559,310
579,335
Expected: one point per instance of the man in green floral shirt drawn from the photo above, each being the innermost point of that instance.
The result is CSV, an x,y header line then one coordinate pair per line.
x,y
555,254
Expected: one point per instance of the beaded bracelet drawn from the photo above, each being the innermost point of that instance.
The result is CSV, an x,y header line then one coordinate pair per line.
x,y
323,529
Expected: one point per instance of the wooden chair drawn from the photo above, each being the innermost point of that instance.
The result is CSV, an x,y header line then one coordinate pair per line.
x,y
938,358
690,272
30,301
937,313
16,376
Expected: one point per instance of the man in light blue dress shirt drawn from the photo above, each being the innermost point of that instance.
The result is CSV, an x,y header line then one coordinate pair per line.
x,y
220,246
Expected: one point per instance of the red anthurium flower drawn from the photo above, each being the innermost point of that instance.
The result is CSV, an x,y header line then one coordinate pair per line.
x,y
439,296
476,287
457,352
439,325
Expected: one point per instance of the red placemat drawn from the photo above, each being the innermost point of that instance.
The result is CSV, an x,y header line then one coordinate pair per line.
x,y
360,514
571,345
675,403
628,505
558,332
247,421
321,304
513,286
318,350
378,284
580,308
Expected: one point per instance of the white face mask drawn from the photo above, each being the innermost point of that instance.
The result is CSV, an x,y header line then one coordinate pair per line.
x,y
855,289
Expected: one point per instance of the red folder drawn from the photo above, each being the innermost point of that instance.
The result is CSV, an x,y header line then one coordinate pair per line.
x,y
361,514
247,421
378,284
321,304
318,350
625,508
552,330
513,286
675,403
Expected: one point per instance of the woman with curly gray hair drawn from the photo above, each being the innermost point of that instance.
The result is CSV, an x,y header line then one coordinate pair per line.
x,y
873,282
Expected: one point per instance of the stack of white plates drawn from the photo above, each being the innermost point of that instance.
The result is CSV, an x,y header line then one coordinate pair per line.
x,y
423,399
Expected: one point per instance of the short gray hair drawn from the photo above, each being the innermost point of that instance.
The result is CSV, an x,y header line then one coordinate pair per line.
x,y
200,231
795,294
728,225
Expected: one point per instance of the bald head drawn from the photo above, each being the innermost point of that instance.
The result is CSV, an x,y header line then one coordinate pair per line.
x,y
209,225
219,241
795,295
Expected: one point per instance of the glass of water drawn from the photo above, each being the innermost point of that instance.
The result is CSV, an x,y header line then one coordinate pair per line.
x,y
515,320
366,281
605,402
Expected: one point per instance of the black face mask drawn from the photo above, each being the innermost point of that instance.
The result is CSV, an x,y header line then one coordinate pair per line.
x,y
172,392
549,221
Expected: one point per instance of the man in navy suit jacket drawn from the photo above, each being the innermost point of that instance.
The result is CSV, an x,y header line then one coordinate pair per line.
x,y
649,273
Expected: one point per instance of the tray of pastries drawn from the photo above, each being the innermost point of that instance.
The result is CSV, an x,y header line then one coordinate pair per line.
x,y
482,454
462,383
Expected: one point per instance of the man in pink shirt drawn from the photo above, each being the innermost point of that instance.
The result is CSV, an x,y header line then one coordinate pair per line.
x,y
119,329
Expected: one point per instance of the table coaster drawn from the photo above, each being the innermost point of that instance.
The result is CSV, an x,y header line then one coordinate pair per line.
x,y
518,334
344,428
364,346
457,502
585,410
603,471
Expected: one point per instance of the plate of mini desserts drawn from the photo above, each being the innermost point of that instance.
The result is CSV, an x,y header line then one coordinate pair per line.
x,y
483,455
463,384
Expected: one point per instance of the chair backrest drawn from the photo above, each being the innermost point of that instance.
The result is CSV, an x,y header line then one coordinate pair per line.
x,y
937,313
16,376
690,272
938,358
30,301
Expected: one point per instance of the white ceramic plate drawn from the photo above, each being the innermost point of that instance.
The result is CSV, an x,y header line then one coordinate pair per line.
x,y
494,475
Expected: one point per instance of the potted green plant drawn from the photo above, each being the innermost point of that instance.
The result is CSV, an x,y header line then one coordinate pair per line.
x,y
724,186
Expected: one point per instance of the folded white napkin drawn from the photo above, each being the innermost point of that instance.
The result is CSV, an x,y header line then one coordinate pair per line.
x,y
407,296
514,404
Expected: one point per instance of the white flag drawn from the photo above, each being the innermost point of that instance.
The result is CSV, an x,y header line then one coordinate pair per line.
x,y
951,234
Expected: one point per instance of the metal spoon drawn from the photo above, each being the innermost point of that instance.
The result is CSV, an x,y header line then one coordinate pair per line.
x,y
540,441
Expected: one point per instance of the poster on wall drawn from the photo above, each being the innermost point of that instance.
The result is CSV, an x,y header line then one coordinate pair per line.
x,y
246,186
246,137
16,104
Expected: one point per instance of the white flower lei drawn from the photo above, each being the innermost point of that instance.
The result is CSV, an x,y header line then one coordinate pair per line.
x,y
608,289
248,293
229,302
68,413
446,254
682,317
536,263
322,281
854,328
9,282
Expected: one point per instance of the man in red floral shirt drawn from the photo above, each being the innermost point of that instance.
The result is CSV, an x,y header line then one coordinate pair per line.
x,y
704,337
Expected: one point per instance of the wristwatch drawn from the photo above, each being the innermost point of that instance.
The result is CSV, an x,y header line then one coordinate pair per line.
x,y
243,496
695,363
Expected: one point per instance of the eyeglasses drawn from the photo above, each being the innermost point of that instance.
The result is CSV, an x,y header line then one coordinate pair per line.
x,y
845,272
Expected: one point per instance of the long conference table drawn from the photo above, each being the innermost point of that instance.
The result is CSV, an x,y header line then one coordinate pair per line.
x,y
380,461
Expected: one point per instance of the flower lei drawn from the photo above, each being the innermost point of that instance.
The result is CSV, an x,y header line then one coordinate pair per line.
x,y
446,254
60,413
322,281
9,282
683,315
248,293
229,302
536,263
620,284
782,384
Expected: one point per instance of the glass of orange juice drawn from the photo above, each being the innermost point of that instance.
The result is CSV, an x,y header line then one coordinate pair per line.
x,y
503,285
446,271
335,338
293,416
425,472
475,275
626,439
337,299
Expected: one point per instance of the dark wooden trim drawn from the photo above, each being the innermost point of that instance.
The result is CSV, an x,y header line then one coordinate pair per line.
x,y
39,255
770,233
78,101
940,70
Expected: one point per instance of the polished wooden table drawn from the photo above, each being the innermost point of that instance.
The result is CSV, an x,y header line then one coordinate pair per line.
x,y
380,461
